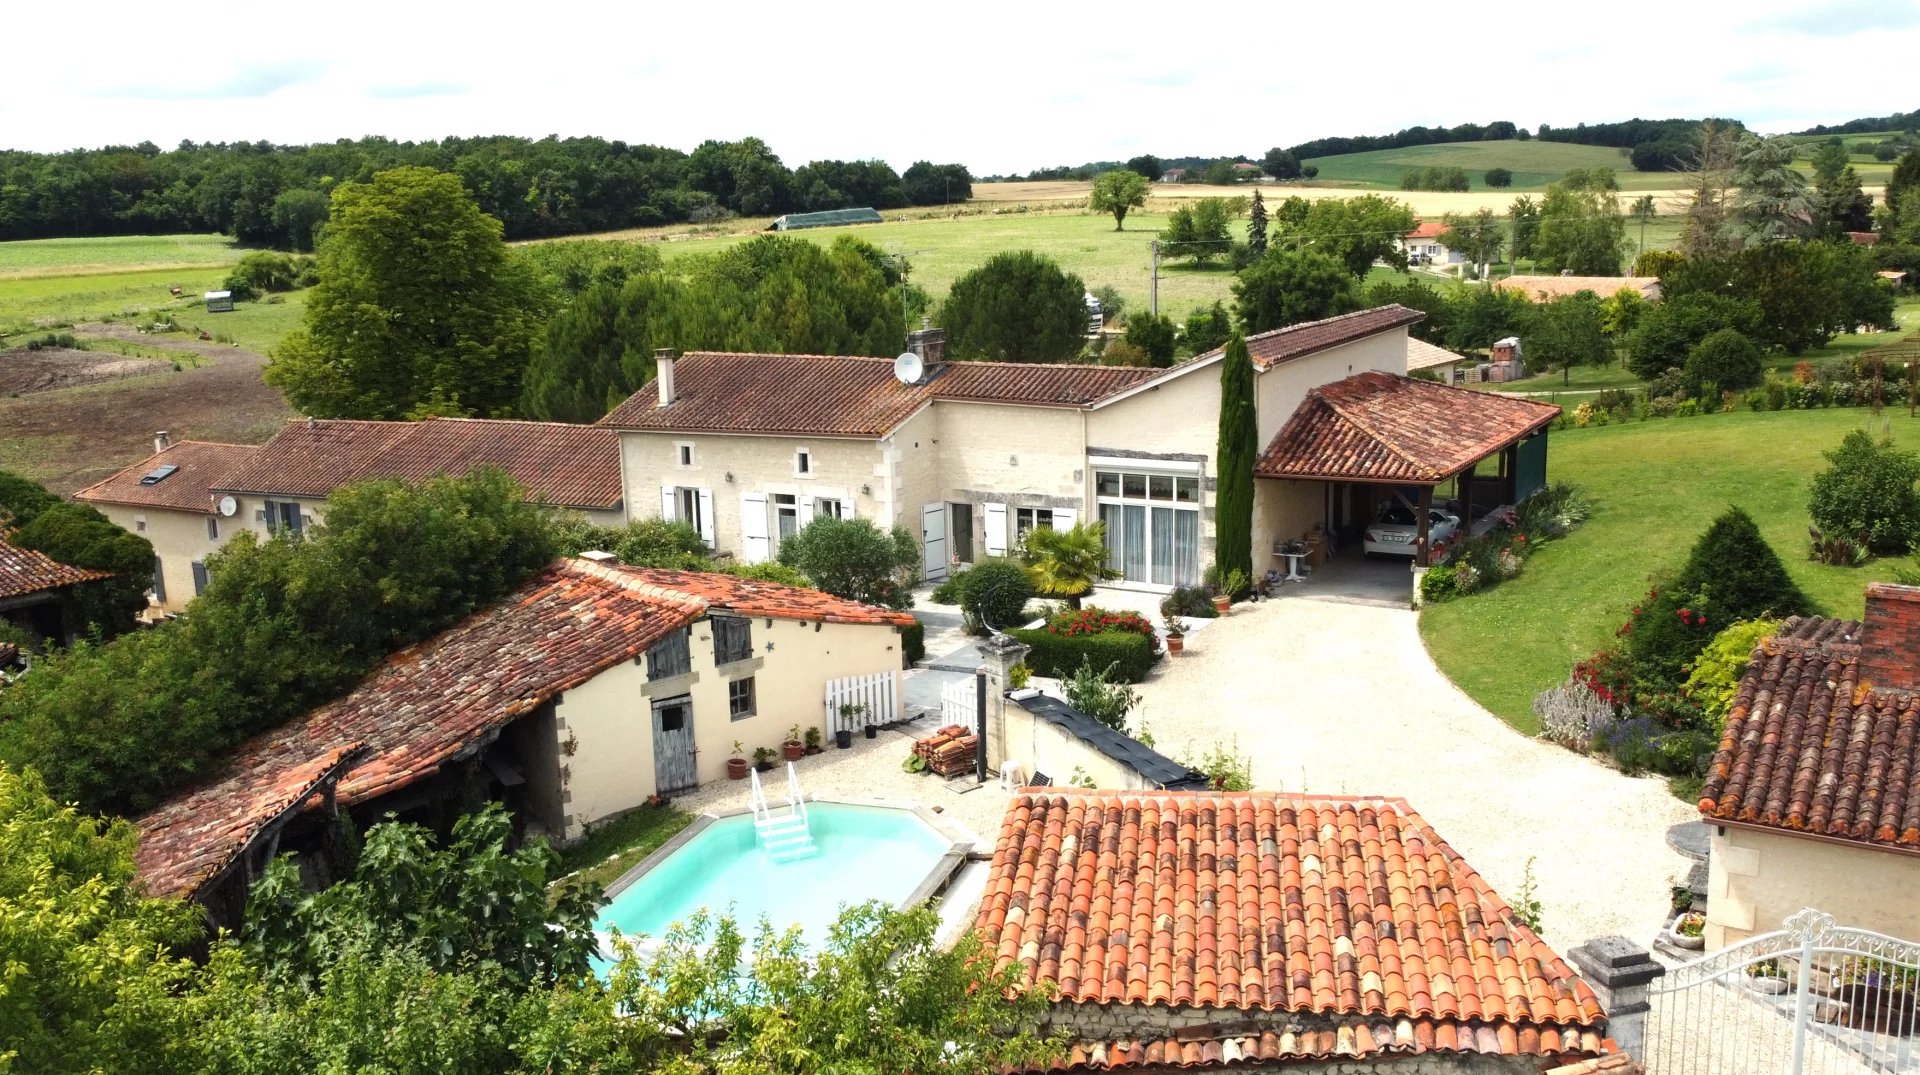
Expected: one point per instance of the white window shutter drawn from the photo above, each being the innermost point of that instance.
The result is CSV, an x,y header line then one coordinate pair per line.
x,y
805,511
706,517
754,547
846,509
666,503
1065,518
996,520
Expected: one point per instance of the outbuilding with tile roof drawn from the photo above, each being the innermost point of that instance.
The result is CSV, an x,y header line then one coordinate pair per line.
x,y
590,688
1213,930
34,588
1814,793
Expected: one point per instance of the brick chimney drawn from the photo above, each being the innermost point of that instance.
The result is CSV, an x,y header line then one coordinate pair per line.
x,y
1890,637
929,343
161,442
663,372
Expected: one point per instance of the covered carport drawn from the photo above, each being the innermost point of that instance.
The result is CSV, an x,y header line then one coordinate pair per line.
x,y
1359,441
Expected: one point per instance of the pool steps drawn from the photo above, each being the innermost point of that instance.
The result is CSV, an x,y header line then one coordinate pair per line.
x,y
787,836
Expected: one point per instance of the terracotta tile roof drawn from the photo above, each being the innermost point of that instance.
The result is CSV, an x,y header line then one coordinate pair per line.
x,y
1359,1036
1346,913
213,826
204,466
752,597
826,395
1381,427
1810,748
25,571
1280,345
1423,355
1543,288
564,465
1863,238
450,695
1428,229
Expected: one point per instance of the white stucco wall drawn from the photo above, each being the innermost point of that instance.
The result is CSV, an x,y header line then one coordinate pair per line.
x,y
609,766
1035,745
1756,879
839,468
179,540
1281,389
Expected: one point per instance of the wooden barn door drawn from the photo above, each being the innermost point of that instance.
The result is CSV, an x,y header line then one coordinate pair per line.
x,y
673,749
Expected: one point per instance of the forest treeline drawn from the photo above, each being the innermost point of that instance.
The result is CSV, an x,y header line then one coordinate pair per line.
x,y
277,195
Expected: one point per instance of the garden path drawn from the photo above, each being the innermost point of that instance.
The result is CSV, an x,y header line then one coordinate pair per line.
x,y
1338,698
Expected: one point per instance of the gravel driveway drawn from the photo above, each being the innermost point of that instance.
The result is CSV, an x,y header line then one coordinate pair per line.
x,y
1342,699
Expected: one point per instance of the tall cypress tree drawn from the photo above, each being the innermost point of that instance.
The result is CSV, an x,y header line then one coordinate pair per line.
x,y
1257,226
1233,461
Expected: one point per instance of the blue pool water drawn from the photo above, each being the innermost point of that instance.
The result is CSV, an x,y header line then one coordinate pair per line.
x,y
865,853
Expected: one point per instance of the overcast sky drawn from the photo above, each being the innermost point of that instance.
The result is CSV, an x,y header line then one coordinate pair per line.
x,y
999,87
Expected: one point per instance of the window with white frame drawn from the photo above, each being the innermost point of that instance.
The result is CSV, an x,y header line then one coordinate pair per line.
x,y
740,699
1152,525
1026,519
683,453
803,463
829,507
686,508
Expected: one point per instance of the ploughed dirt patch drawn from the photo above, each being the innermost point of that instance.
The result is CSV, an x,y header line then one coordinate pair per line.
x,y
23,371
70,435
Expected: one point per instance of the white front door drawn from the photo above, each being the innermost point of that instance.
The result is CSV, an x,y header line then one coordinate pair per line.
x,y
933,541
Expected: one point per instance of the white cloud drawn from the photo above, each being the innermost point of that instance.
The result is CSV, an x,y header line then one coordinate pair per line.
x,y
1002,87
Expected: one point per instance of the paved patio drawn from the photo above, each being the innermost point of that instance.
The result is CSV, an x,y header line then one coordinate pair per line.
x,y
1341,698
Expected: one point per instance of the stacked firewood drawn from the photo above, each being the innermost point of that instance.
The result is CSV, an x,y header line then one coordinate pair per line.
x,y
949,751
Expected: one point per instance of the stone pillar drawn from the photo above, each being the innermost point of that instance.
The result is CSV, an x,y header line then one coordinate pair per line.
x,y
1619,972
999,653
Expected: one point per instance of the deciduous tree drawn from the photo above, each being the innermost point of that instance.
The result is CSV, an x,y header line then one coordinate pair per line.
x,y
854,559
1477,237
1199,230
1280,164
1357,231
1567,332
1289,286
418,308
1018,307
1524,215
1116,192
1581,230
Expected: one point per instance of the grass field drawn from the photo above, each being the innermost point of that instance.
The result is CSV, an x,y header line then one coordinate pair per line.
x,y
1655,486
119,252
1534,164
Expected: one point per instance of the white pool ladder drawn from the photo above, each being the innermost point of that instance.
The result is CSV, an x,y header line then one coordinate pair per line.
x,y
787,835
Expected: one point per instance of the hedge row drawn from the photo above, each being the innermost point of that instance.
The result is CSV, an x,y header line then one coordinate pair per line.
x,y
1059,656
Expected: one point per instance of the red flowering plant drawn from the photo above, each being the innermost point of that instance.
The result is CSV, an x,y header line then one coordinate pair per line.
x,y
1093,621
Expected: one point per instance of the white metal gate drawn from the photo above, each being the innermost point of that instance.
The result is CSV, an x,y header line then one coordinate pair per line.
x,y
1814,997
857,701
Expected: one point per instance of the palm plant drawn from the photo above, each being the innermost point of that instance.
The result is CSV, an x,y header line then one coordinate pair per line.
x,y
1067,563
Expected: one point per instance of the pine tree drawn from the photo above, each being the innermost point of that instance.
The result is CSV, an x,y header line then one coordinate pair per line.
x,y
1233,460
1257,226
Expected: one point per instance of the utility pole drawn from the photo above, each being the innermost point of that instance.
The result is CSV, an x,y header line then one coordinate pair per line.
x,y
1154,291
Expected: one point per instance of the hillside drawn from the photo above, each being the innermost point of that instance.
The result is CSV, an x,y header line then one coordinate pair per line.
x,y
1534,164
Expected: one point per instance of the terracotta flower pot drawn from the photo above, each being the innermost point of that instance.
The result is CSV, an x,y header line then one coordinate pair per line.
x,y
793,750
736,768
1176,643
1223,604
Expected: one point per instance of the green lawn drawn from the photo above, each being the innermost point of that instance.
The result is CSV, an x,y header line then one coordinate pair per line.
x,y
1655,485
1533,163
28,301
614,848
42,256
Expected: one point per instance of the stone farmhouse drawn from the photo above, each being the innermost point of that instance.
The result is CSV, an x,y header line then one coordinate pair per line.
x,y
572,700
1814,795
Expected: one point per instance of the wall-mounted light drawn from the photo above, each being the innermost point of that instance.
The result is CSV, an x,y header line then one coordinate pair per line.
x,y
1013,460
866,490
729,477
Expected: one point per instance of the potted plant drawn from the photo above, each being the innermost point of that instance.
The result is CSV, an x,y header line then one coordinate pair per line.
x,y
1215,583
813,738
1768,977
1688,930
763,758
1176,634
843,735
794,747
737,764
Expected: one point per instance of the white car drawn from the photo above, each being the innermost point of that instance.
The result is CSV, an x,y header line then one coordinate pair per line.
x,y
1398,530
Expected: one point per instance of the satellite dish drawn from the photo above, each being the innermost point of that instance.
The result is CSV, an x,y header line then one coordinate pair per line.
x,y
228,506
908,368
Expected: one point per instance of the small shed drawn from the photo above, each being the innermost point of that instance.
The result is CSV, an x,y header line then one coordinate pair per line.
x,y
831,218
219,302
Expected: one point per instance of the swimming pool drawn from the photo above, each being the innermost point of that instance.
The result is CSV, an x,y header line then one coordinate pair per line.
x,y
865,853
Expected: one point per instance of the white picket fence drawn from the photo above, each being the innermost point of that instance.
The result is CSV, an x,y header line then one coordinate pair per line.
x,y
878,695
